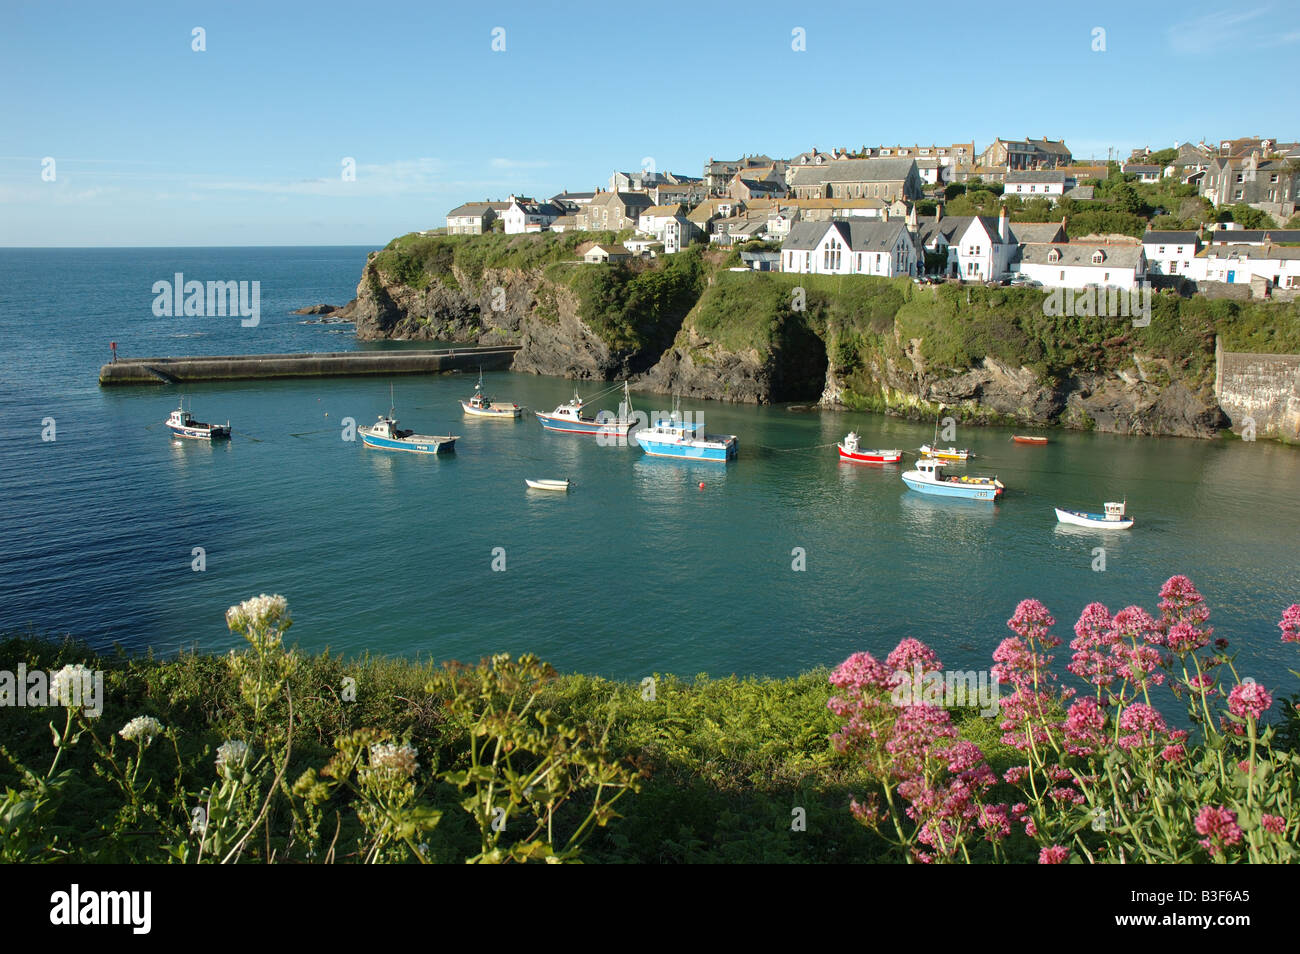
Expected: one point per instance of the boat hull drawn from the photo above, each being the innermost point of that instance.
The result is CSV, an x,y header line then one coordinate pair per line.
x,y
563,425
493,411
206,433
870,457
1096,521
416,444
720,450
559,486
950,490
1037,441
949,454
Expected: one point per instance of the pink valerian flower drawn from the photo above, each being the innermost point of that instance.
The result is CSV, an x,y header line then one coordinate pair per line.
x,y
1249,700
1031,621
1173,753
860,671
993,819
1093,644
1290,624
1085,727
1274,824
1144,724
1065,794
1181,602
868,812
865,683
1202,684
1025,717
1184,638
1220,827
1016,774
1013,662
912,652
1053,855
918,731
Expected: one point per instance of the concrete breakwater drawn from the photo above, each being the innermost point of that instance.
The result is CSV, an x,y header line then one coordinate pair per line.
x,y
306,365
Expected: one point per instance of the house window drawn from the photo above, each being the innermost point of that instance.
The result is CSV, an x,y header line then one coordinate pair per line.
x,y
1162,250
1237,194
1055,256
1097,257
1105,276
1062,273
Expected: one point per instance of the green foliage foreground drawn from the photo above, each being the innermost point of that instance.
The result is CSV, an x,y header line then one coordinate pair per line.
x,y
269,755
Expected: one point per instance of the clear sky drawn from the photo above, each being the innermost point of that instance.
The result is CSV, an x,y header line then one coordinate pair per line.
x,y
244,142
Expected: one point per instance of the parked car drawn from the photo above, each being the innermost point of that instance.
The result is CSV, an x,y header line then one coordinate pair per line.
x,y
1024,281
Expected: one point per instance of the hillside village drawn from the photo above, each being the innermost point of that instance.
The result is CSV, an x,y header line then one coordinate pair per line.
x,y
1195,217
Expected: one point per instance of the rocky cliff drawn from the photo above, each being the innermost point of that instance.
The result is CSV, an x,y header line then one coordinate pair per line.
x,y
855,343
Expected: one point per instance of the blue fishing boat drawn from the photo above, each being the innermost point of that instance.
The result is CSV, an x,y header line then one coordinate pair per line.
x,y
674,437
569,419
927,479
386,435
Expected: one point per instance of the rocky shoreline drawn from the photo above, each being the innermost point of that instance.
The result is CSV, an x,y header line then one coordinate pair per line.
x,y
545,317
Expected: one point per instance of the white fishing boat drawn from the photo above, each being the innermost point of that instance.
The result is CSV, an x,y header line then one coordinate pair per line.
x,y
182,424
1114,518
560,486
480,405
928,478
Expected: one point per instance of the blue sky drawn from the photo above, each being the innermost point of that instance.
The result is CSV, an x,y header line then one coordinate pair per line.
x,y
243,143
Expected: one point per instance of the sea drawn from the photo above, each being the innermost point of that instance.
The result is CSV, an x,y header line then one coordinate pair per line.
x,y
780,562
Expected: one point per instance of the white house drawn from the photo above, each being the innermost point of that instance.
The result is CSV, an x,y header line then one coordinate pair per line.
x,y
1170,253
472,218
599,254
857,247
985,249
526,215
1081,264
669,225
1145,172
1037,184
1238,264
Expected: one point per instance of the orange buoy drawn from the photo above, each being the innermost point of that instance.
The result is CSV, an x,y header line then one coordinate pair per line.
x,y
701,485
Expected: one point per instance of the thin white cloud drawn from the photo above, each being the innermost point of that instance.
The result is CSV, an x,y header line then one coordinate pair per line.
x,y
1217,32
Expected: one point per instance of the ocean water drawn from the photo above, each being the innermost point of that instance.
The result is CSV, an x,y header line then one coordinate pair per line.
x,y
638,570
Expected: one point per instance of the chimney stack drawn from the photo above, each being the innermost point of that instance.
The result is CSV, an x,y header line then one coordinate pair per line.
x,y
1002,226
938,212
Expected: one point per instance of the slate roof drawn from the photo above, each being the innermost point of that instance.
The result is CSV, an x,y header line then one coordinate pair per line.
x,y
470,208
1246,236
860,235
853,170
950,227
1036,232
1169,238
1035,176
1288,252
1080,254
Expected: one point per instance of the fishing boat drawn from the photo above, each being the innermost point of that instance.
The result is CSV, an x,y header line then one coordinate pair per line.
x,y
1028,439
480,405
928,479
851,449
558,485
182,424
386,435
945,453
674,436
1113,519
569,419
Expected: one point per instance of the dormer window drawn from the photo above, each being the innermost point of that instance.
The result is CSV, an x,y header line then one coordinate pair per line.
x,y
1054,255
1098,257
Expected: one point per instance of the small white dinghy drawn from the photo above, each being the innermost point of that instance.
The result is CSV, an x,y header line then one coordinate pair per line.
x,y
1113,519
559,485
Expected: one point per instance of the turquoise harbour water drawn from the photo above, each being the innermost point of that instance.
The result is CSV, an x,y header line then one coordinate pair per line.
x,y
636,571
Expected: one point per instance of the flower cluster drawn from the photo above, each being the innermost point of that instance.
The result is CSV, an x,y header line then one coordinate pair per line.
x,y
395,759
258,612
141,729
232,757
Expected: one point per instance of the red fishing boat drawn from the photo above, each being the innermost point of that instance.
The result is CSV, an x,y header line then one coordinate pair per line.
x,y
850,450
1027,439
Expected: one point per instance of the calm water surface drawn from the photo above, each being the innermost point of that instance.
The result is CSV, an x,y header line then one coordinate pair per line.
x,y
637,570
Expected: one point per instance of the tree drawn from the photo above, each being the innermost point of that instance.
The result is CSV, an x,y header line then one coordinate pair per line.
x,y
1162,157
954,189
1246,217
1125,198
